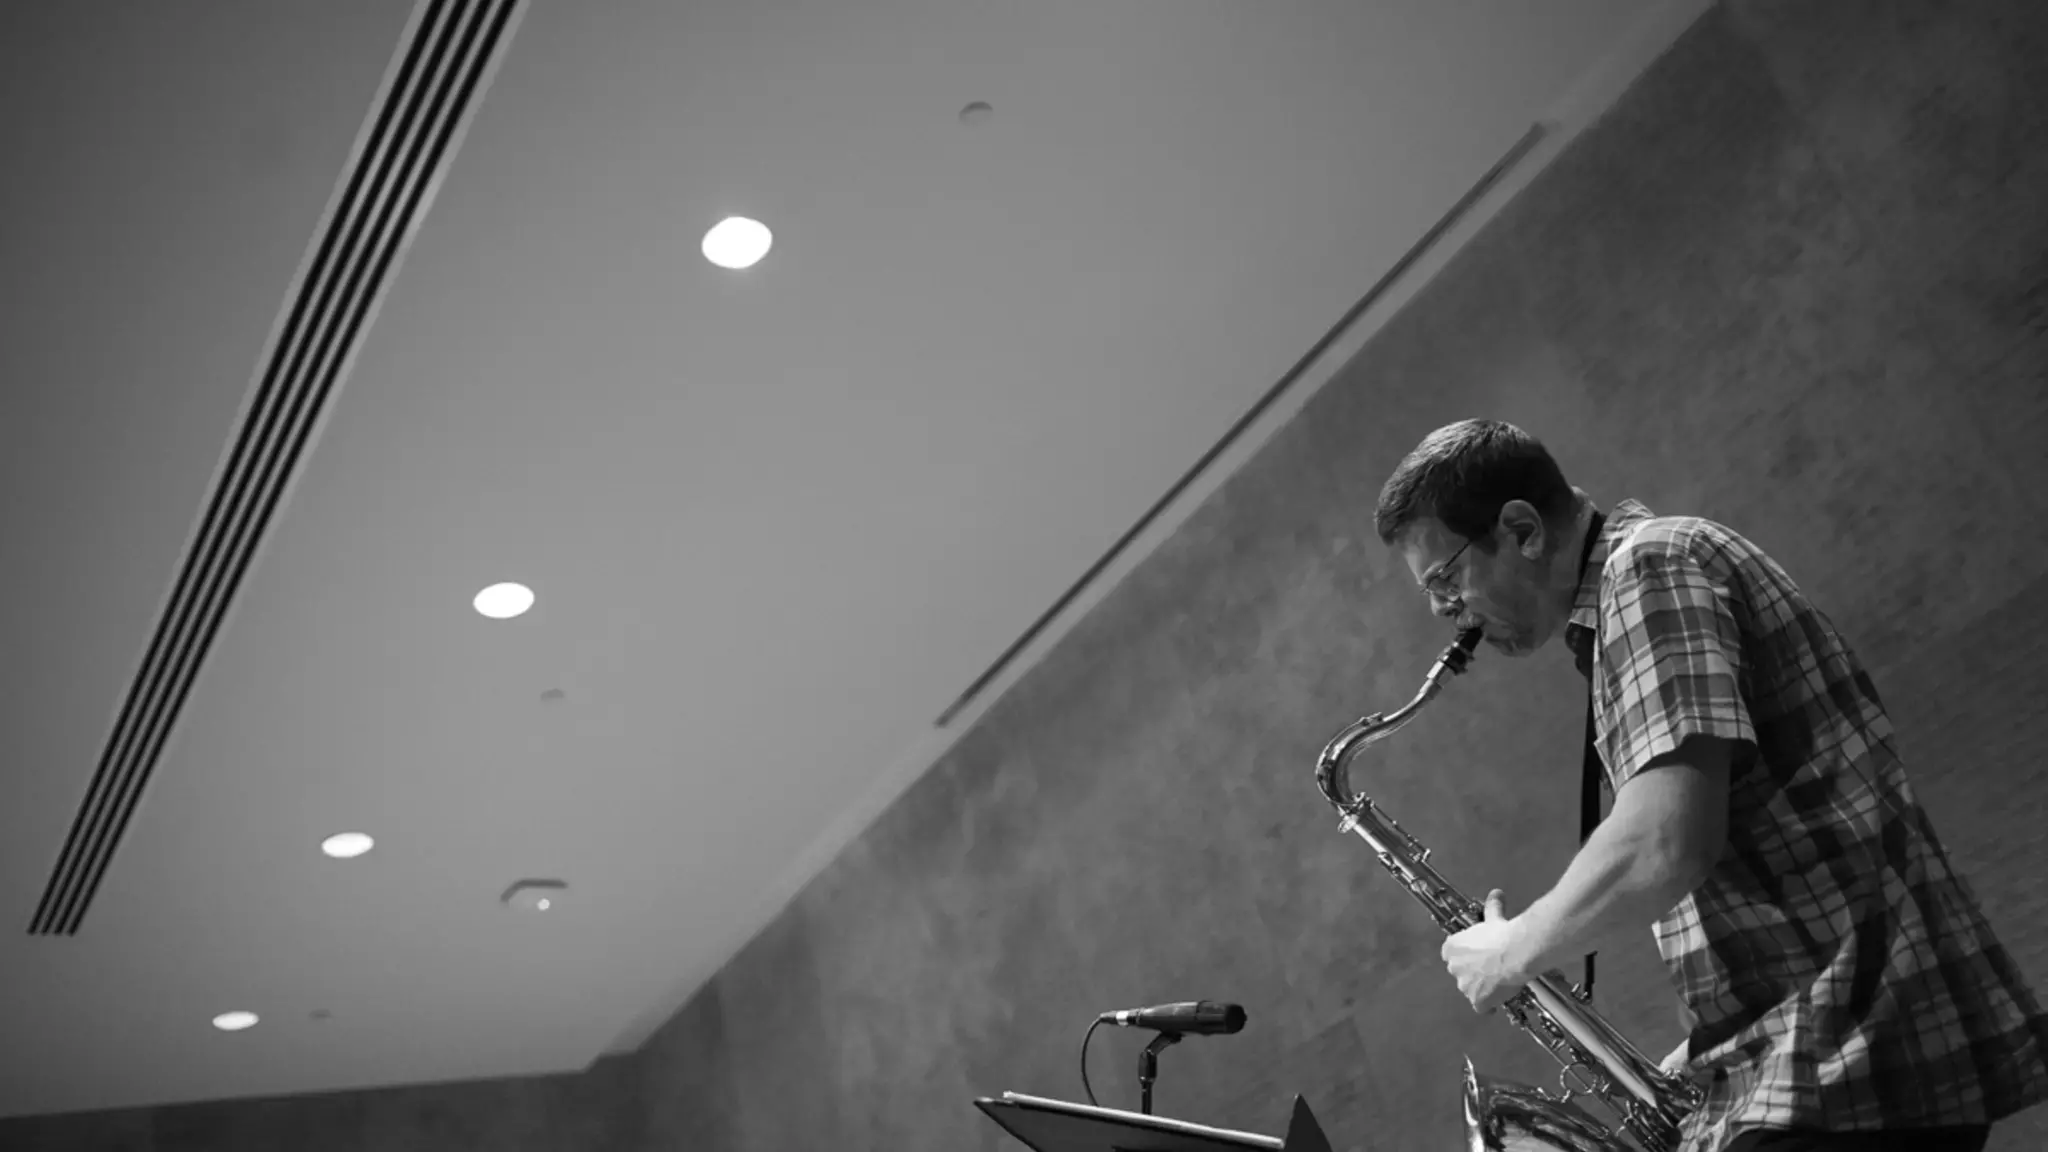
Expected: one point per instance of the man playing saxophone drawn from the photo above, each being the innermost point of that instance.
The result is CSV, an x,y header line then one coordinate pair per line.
x,y
1844,988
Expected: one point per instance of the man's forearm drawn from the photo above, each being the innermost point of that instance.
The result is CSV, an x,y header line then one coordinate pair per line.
x,y
1624,877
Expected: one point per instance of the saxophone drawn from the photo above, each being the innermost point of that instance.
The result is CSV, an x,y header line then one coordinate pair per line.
x,y
1597,1061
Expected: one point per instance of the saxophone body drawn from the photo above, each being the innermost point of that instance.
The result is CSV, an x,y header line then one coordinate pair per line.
x,y
1596,1060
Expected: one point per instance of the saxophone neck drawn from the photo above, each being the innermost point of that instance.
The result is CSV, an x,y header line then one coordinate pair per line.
x,y
1333,767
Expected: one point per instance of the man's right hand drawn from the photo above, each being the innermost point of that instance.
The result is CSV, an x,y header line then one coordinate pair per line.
x,y
1676,1063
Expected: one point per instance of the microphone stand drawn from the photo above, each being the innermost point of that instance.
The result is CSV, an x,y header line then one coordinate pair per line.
x,y
1148,1067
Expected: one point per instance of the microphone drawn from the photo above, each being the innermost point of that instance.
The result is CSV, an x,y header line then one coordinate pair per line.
x,y
1187,1018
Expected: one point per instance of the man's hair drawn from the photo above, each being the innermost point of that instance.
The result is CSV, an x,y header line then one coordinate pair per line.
x,y
1462,474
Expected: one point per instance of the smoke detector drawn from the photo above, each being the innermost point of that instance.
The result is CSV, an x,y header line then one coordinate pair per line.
x,y
534,895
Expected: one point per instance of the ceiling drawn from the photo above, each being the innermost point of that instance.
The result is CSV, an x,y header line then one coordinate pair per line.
x,y
777,520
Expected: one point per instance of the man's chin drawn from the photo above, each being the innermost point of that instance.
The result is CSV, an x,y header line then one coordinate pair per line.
x,y
1511,646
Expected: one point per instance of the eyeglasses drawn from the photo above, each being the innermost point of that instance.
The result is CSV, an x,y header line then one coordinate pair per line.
x,y
1436,585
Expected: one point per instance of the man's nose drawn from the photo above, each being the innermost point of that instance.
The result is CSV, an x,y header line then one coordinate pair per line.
x,y
1443,607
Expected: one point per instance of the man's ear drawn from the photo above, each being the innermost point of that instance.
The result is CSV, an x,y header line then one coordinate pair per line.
x,y
1525,527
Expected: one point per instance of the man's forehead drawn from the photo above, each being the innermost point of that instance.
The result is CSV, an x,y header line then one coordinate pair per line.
x,y
1429,537
1426,543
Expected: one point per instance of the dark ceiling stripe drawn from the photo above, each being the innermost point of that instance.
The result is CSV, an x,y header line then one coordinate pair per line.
x,y
1393,275
442,66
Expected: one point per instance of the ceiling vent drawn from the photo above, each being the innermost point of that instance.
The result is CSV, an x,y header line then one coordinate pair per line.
x,y
438,75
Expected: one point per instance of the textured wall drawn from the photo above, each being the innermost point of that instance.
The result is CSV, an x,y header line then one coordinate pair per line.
x,y
1796,281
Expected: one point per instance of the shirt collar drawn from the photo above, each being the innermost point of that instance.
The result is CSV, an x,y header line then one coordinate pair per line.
x,y
1584,623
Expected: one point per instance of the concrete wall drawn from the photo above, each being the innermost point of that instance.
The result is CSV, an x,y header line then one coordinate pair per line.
x,y
1797,281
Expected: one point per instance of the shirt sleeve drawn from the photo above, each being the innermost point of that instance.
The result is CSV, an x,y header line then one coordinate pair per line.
x,y
1670,661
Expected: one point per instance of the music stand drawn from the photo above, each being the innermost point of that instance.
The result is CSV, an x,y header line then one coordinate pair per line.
x,y
1057,1126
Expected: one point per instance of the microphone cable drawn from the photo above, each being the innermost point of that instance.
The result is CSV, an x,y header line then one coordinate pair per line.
x,y
1085,1037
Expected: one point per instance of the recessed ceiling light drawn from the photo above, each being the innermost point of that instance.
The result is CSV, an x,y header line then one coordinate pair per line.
x,y
737,242
347,845
504,601
234,1021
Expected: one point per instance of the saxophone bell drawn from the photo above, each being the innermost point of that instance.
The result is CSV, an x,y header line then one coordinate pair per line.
x,y
1501,1114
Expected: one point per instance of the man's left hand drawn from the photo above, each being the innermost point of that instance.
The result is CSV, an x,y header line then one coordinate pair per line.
x,y
1482,958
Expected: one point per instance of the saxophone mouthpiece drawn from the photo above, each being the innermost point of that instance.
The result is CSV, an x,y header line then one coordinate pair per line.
x,y
1458,656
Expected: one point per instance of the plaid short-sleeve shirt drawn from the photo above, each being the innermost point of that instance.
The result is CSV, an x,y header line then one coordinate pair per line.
x,y
1839,970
